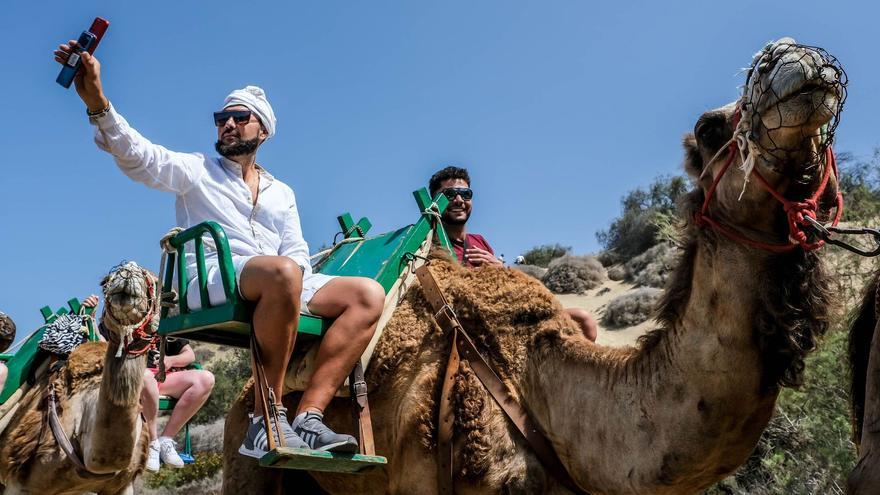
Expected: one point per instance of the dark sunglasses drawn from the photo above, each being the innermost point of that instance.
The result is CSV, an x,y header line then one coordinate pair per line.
x,y
451,192
238,116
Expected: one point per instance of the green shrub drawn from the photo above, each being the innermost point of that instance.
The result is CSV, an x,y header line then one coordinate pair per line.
x,y
543,255
573,274
230,375
206,466
644,215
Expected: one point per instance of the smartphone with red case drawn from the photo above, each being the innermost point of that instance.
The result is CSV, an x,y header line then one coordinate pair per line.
x,y
87,41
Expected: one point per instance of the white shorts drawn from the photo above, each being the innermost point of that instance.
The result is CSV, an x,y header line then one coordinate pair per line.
x,y
312,283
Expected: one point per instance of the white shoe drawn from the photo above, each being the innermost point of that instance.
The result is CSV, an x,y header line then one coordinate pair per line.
x,y
153,456
169,454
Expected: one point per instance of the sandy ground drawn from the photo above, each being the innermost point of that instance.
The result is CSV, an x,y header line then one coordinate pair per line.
x,y
595,301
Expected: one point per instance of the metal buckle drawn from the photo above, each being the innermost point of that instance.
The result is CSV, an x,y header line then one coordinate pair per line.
x,y
360,388
446,313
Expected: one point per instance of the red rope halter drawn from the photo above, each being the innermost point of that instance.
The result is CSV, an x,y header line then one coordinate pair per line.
x,y
141,340
796,211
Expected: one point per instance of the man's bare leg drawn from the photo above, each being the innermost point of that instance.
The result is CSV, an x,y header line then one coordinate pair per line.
x,y
356,303
275,284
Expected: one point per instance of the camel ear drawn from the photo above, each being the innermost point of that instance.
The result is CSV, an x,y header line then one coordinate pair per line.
x,y
693,160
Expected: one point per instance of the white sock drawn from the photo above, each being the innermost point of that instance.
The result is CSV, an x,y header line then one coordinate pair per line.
x,y
165,439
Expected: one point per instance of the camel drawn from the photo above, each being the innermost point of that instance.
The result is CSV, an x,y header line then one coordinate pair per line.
x,y
864,358
673,415
99,404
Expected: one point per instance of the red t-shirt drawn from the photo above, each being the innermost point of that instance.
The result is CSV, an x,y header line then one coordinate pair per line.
x,y
470,240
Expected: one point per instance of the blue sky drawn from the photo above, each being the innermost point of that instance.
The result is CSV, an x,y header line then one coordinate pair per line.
x,y
558,108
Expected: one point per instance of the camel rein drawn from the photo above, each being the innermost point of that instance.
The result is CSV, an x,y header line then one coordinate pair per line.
x,y
62,438
463,347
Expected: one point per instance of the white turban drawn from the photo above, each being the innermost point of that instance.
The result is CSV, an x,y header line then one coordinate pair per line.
x,y
254,98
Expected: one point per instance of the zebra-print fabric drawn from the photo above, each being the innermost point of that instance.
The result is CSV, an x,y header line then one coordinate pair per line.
x,y
63,335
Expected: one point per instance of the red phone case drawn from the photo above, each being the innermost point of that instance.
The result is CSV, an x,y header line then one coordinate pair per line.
x,y
99,26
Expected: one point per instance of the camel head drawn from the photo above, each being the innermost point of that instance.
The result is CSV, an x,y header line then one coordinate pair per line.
x,y
779,133
7,331
131,305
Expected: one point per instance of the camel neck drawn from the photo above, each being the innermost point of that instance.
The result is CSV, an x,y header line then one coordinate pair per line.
x,y
692,391
110,437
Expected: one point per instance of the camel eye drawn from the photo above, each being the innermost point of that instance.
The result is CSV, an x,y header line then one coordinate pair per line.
x,y
710,135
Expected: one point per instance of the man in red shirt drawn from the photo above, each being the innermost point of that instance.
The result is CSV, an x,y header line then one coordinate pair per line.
x,y
473,250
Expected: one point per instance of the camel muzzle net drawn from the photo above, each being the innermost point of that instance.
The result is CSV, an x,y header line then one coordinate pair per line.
x,y
788,87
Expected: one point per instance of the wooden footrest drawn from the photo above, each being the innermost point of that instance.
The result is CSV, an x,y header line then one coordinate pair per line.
x,y
316,460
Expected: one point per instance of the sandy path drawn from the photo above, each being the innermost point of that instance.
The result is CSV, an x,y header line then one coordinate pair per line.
x,y
595,301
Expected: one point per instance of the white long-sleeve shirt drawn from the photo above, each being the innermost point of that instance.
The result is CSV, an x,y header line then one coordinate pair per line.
x,y
210,188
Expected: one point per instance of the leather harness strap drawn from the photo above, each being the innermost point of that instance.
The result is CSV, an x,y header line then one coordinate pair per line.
x,y
357,386
64,441
464,347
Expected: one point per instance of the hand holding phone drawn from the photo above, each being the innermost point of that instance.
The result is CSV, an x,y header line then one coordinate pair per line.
x,y
87,42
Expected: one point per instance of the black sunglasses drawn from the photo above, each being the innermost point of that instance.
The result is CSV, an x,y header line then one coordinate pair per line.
x,y
451,192
238,116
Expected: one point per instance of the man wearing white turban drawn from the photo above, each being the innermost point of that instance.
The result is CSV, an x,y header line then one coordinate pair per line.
x,y
271,258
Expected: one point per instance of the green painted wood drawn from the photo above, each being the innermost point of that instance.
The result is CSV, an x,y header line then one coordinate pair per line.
x,y
20,364
314,460
350,228
346,223
381,257
27,357
47,313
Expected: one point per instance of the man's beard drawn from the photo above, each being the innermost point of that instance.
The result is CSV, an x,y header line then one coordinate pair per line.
x,y
240,148
455,221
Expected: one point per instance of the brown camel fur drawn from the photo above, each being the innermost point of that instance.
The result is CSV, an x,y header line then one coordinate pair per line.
x,y
672,416
99,408
864,358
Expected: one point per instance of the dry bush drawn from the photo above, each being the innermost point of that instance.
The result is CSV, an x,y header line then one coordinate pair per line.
x,y
652,268
617,273
608,258
574,274
631,308
532,270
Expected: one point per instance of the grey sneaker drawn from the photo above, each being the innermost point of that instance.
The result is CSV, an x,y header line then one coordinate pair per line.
x,y
256,442
311,428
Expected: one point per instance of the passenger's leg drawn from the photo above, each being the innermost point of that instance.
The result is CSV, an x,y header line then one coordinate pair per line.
x,y
274,283
150,410
356,303
150,402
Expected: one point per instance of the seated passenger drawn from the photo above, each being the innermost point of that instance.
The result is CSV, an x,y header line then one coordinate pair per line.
x,y
190,387
270,256
473,250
